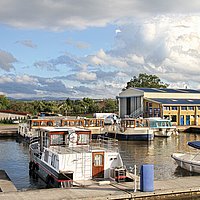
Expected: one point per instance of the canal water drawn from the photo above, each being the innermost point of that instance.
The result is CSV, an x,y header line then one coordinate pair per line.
x,y
14,158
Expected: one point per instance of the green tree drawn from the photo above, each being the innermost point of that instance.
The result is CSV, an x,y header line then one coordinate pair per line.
x,y
4,102
146,81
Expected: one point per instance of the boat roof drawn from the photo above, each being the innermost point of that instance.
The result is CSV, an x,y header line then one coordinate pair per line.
x,y
58,129
195,144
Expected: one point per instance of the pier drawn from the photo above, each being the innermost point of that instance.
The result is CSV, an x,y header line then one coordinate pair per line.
x,y
6,184
179,188
8,130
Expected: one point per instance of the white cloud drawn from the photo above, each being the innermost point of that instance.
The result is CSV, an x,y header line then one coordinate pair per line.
x,y
86,76
27,43
26,79
62,14
6,61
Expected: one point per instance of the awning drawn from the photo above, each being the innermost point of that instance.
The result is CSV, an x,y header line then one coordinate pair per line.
x,y
195,144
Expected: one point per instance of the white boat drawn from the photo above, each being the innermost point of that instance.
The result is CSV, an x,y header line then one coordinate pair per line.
x,y
189,161
63,156
131,129
161,127
29,128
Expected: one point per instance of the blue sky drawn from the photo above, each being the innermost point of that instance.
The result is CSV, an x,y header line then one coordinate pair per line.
x,y
90,48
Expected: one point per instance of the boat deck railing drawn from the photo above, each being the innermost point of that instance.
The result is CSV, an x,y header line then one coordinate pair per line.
x,y
100,144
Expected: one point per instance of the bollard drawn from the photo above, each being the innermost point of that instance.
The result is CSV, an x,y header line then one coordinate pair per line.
x,y
147,178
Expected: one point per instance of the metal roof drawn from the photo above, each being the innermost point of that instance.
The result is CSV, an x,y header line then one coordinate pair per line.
x,y
177,101
168,90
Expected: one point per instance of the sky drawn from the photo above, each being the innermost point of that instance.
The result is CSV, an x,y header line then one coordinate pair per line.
x,y
92,48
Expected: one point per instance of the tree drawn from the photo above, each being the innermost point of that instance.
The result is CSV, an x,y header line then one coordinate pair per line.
x,y
146,81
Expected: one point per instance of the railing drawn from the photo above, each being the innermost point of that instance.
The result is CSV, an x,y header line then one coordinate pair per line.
x,y
106,143
136,113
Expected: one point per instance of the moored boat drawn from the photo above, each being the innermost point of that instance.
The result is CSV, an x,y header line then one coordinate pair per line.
x,y
161,127
189,161
63,156
132,129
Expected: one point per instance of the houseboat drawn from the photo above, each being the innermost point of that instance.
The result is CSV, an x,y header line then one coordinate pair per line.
x,y
29,128
96,125
161,127
131,129
64,156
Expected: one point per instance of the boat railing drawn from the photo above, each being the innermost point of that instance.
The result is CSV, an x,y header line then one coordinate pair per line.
x,y
105,143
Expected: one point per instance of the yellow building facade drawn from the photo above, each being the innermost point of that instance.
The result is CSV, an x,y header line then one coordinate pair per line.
x,y
181,106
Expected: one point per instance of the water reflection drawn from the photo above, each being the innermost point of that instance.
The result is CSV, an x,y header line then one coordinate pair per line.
x,y
158,152
14,158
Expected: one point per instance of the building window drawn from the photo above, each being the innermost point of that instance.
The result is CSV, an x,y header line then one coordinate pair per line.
x,y
174,108
191,108
173,118
166,108
183,107
198,107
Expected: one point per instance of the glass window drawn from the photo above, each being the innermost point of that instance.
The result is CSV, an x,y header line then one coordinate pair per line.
x,y
166,108
174,108
57,139
183,107
98,160
191,108
83,139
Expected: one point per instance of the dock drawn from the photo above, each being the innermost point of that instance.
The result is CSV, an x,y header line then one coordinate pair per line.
x,y
8,130
6,184
179,188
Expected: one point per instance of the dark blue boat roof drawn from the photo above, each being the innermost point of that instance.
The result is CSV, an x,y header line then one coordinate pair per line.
x,y
195,144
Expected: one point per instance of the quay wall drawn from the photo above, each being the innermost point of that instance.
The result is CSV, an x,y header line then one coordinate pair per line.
x,y
8,130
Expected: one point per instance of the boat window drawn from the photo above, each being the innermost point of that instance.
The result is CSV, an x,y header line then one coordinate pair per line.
x,y
46,156
57,139
83,138
43,123
35,123
98,160
49,123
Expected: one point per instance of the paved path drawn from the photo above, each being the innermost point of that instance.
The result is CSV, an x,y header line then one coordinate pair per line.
x,y
174,188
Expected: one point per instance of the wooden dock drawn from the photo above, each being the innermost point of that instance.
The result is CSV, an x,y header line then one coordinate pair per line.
x,y
179,188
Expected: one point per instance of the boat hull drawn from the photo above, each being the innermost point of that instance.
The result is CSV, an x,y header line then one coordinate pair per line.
x,y
163,132
187,161
50,176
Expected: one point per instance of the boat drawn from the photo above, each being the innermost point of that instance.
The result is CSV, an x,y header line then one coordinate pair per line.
x,y
161,127
131,129
66,156
189,161
29,128
96,125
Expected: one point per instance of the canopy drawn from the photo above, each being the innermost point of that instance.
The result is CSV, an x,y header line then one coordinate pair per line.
x,y
195,144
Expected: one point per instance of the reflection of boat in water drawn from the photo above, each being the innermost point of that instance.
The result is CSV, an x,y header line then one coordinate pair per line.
x,y
161,127
63,156
132,129
189,161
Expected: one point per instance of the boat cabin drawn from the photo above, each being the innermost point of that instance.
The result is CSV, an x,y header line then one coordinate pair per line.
x,y
67,154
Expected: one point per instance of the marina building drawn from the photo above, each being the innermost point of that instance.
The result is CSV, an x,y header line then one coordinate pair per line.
x,y
181,106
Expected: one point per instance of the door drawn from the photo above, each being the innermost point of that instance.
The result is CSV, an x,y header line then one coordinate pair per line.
x,y
98,164
182,120
187,120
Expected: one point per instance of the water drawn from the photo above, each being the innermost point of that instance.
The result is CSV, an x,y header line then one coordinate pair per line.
x,y
14,158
